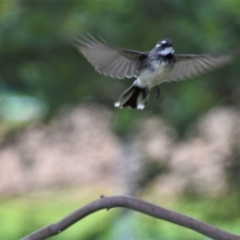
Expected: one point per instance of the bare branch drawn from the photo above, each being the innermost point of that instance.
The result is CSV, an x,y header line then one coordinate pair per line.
x,y
134,204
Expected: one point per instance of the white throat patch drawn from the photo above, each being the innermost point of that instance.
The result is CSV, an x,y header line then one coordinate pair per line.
x,y
166,51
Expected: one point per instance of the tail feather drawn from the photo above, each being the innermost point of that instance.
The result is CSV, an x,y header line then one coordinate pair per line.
x,y
133,97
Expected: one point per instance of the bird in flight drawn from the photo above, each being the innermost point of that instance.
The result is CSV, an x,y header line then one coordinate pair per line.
x,y
150,69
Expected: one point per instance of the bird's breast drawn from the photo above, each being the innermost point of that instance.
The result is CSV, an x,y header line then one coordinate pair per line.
x,y
155,75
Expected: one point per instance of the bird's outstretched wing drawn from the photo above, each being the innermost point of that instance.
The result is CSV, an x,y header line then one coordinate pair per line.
x,y
189,65
109,60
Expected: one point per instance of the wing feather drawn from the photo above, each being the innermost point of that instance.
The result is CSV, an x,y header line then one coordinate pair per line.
x,y
189,65
110,60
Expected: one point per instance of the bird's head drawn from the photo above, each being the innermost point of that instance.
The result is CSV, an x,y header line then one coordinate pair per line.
x,y
165,47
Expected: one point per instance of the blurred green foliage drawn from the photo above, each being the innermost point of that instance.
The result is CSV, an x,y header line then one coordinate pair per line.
x,y
104,225
38,58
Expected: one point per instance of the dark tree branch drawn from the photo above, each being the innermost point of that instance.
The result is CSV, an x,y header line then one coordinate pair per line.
x,y
134,204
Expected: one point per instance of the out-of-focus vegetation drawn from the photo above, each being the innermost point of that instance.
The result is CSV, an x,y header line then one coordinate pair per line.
x,y
42,73
37,58
37,212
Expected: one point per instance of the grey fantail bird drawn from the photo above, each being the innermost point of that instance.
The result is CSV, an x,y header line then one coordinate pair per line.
x,y
150,69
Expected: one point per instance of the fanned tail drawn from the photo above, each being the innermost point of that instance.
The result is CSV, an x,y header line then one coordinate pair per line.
x,y
133,97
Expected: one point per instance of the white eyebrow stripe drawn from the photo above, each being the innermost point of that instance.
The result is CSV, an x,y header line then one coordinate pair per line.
x,y
166,51
164,41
